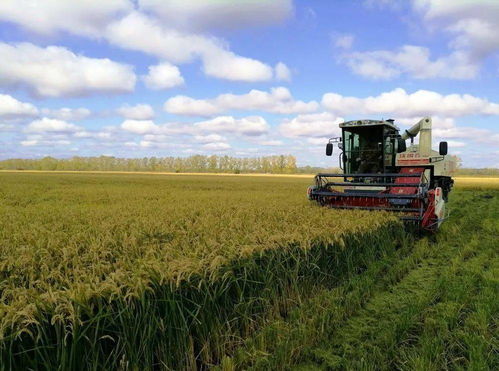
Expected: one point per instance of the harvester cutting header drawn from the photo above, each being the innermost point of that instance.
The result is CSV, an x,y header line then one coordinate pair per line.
x,y
381,173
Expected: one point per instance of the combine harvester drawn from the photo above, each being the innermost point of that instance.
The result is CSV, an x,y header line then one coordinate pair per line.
x,y
381,173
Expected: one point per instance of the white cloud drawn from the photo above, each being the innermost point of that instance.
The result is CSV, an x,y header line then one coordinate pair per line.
x,y
246,126
139,32
93,134
322,124
137,112
272,142
437,121
140,126
412,60
460,136
56,71
282,72
159,32
46,125
6,127
163,76
251,126
211,138
217,146
318,141
343,41
224,64
82,17
67,114
41,141
157,137
473,26
420,103
11,107
182,105
278,100
28,143
456,144
194,15
457,136
131,144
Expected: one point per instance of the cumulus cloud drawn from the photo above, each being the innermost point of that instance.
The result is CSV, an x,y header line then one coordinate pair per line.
x,y
151,28
224,64
282,72
278,100
271,143
47,125
412,60
56,71
93,134
318,141
138,32
343,41
137,112
140,126
247,126
193,15
182,105
216,147
30,142
459,136
323,124
67,114
473,26
251,126
12,108
163,76
83,17
420,103
211,138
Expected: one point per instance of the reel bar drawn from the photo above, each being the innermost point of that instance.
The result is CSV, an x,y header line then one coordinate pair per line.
x,y
374,208
392,175
366,195
347,184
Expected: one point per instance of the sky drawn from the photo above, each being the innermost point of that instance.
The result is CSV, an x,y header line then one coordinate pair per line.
x,y
245,78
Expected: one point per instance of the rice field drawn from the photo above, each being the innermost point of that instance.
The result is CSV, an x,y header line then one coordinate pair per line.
x,y
429,305
123,271
141,271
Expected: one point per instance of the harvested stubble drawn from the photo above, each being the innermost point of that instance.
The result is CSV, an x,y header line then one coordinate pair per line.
x,y
125,271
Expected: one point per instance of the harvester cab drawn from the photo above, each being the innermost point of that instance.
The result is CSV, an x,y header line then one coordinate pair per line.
x,y
381,173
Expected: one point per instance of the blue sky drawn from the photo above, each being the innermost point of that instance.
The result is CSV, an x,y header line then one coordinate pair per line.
x,y
243,78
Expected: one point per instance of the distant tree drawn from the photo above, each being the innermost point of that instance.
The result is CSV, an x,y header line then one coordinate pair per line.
x,y
196,163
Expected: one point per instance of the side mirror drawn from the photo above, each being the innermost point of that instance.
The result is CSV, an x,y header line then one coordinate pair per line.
x,y
401,147
443,148
329,149
340,146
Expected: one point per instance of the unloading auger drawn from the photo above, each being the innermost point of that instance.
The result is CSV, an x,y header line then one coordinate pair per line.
x,y
381,173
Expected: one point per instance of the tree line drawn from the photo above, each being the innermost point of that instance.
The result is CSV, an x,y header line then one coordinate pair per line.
x,y
478,172
281,164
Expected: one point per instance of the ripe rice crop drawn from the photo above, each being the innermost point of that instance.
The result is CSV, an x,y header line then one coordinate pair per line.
x,y
429,305
137,271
